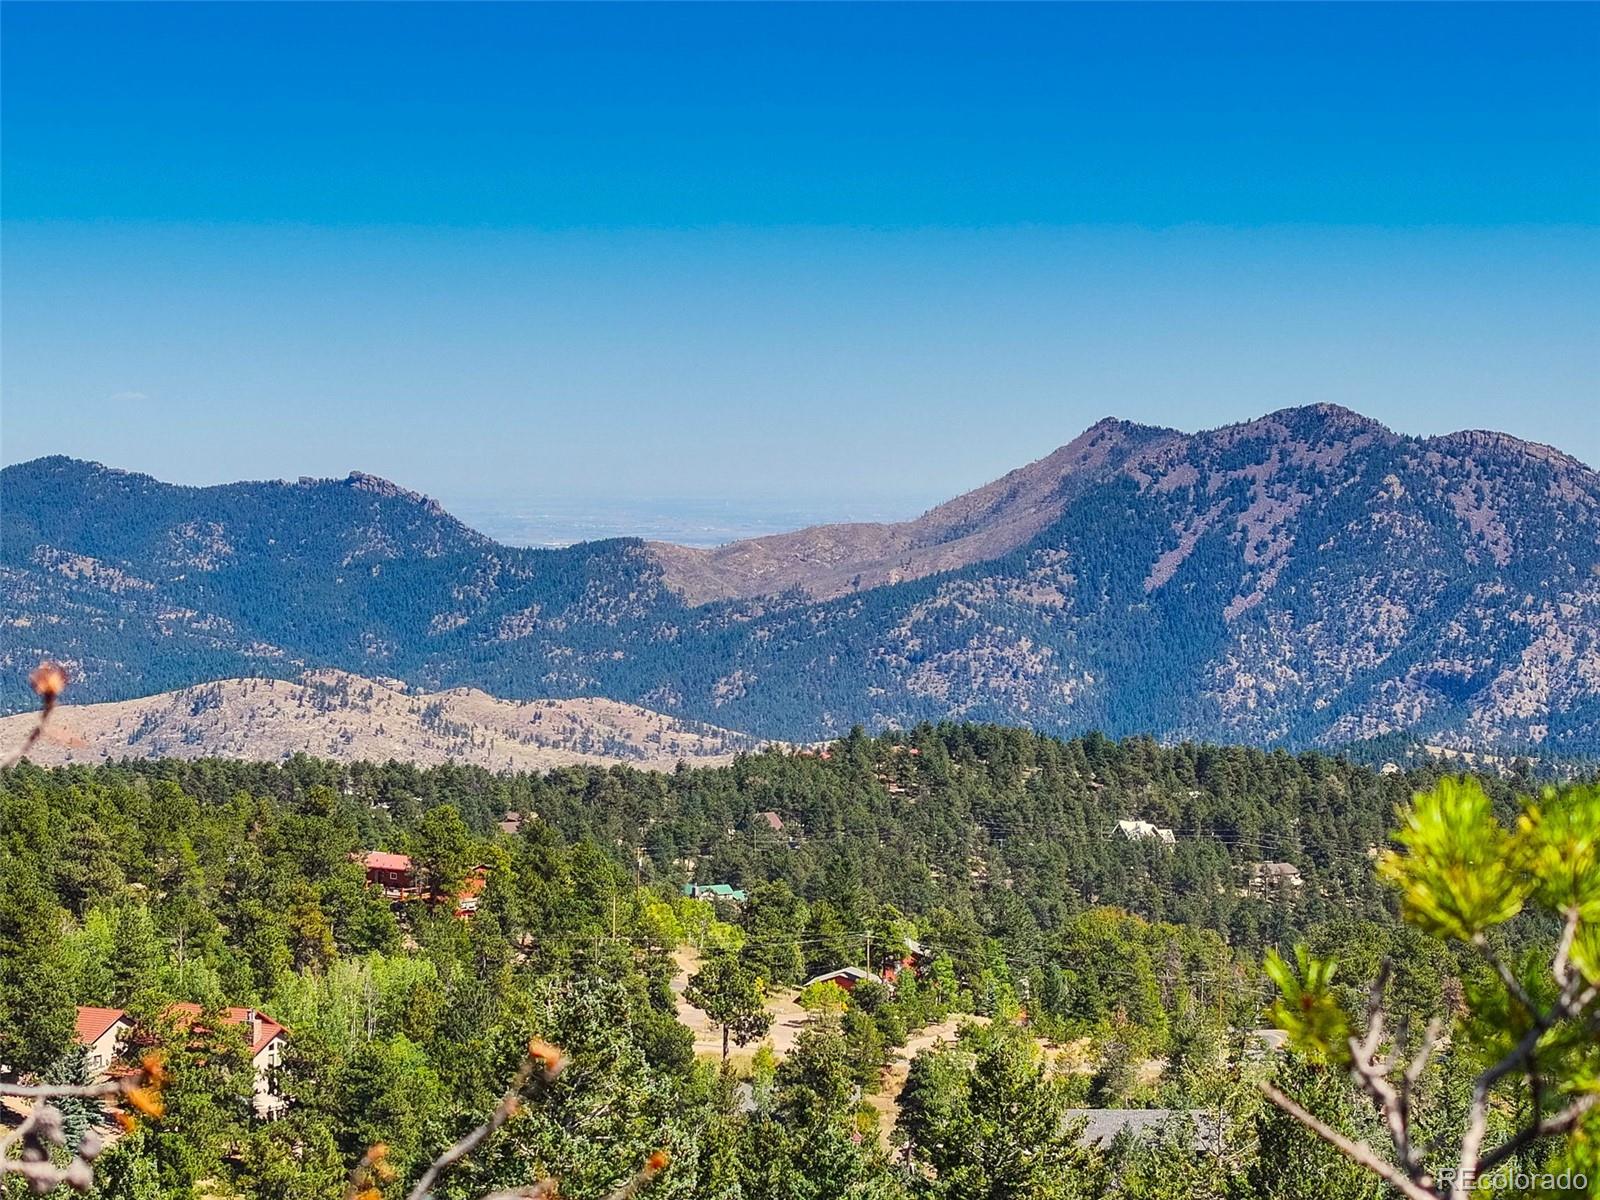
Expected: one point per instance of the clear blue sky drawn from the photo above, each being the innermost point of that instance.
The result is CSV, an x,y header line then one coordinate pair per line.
x,y
782,252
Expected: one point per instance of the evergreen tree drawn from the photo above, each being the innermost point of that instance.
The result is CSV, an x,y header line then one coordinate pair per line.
x,y
732,996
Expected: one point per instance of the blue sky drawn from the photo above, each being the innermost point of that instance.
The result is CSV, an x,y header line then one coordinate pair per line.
x,y
826,253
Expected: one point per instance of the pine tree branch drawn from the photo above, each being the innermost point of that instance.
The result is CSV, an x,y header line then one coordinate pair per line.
x,y
1571,1003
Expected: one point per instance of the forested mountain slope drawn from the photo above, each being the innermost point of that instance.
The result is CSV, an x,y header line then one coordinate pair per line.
x,y
1306,578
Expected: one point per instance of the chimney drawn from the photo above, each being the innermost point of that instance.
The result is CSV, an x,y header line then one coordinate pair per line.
x,y
252,1021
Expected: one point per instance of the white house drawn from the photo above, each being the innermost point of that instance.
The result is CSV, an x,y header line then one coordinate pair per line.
x,y
1143,831
266,1039
102,1029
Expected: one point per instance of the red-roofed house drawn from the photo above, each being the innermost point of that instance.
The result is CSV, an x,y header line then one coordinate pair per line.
x,y
392,873
845,977
396,875
471,888
99,1031
266,1039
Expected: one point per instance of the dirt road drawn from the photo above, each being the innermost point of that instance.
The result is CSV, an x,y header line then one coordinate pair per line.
x,y
788,1018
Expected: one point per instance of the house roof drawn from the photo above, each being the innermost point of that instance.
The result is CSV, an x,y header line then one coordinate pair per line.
x,y
772,819
93,1023
725,891
856,973
1275,868
1101,1125
265,1030
1145,829
382,860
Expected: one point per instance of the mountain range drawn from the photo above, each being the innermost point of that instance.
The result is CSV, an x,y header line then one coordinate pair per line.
x,y
1307,578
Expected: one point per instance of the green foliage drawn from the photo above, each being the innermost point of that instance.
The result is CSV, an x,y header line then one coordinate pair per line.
x,y
1517,900
36,997
1288,1164
441,848
1463,872
239,884
823,998
1306,1008
1561,847
989,1121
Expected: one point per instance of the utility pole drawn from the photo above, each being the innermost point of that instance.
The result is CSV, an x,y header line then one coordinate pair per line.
x,y
869,952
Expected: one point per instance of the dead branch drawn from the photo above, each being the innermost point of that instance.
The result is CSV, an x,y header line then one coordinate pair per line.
x,y
1374,1075
28,1150
1574,999
1562,965
1357,1152
543,1063
48,681
1564,1121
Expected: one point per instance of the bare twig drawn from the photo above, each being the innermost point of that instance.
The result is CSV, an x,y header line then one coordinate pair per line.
x,y
27,1150
653,1166
1375,1076
1571,1003
545,1189
1357,1152
1569,930
544,1062
1562,1122
1372,1074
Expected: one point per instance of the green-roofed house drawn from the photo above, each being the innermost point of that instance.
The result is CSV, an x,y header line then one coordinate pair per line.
x,y
714,891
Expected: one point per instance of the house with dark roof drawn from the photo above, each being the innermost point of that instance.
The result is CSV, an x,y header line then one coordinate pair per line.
x,y
1101,1126
1267,878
